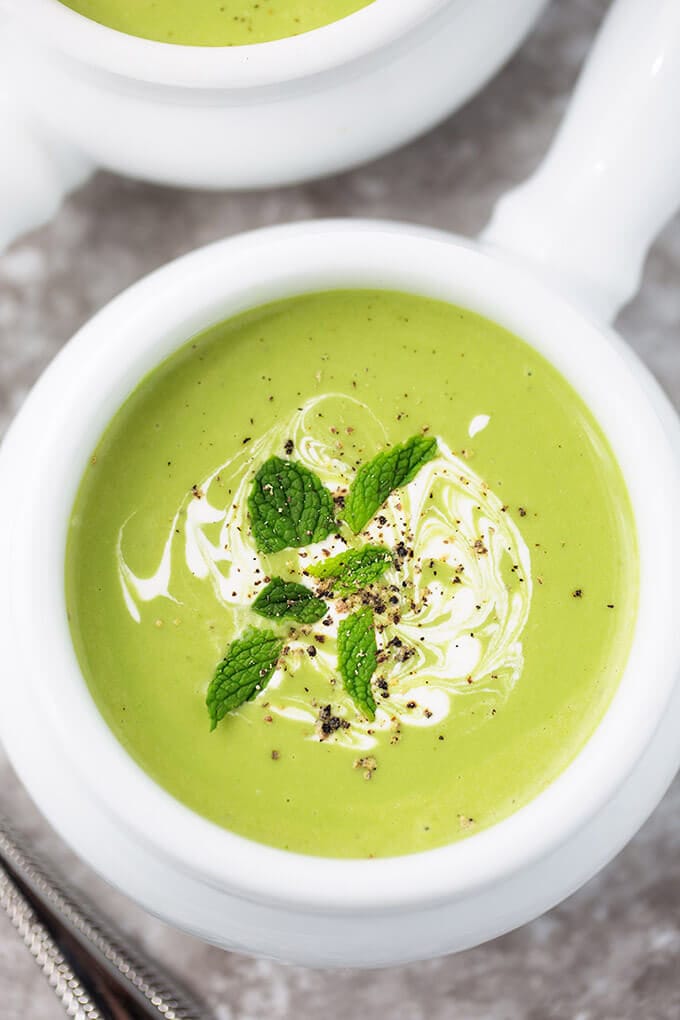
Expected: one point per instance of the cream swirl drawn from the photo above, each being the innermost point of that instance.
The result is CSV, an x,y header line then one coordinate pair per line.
x,y
464,576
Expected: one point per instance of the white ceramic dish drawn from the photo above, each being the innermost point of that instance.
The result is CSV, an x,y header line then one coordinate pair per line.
x,y
77,94
316,911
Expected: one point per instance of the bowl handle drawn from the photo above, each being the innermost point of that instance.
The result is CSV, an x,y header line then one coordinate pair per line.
x,y
37,169
586,218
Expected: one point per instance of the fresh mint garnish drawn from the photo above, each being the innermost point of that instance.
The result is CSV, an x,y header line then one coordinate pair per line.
x,y
357,658
287,599
354,569
245,670
289,507
389,470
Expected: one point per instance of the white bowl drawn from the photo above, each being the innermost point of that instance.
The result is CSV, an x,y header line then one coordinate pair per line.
x,y
232,117
191,872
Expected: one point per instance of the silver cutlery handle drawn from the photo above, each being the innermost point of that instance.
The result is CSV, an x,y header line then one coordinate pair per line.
x,y
63,981
74,946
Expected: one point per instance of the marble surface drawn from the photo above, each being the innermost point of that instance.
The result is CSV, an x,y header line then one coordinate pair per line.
x,y
612,952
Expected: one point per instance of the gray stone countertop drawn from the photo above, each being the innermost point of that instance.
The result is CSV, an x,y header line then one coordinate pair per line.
x,y
611,952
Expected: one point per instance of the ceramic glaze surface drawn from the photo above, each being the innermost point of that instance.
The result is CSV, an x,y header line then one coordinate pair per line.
x,y
79,95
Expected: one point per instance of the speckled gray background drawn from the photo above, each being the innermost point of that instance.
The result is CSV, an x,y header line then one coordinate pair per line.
x,y
612,952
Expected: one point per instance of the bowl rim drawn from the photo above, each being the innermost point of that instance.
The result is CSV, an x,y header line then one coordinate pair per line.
x,y
88,381
218,67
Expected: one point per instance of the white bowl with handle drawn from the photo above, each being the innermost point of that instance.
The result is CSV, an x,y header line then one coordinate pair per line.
x,y
75,95
559,258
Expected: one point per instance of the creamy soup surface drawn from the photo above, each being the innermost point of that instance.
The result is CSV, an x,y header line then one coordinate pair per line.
x,y
215,22
487,631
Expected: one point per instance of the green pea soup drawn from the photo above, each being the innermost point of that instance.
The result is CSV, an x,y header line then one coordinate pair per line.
x,y
215,22
501,617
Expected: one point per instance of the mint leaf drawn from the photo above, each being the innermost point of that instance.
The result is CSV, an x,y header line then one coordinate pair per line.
x,y
389,470
289,506
354,569
282,599
245,670
357,658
